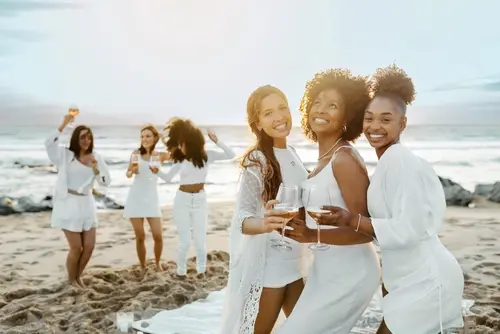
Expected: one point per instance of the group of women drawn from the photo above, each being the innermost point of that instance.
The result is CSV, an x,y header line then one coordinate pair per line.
x,y
74,208
400,208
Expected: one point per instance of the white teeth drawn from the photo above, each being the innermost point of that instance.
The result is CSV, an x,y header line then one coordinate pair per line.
x,y
280,127
376,136
320,121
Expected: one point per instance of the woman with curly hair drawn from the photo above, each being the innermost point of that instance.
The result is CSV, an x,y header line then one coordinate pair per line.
x,y
186,145
142,199
263,280
345,274
406,202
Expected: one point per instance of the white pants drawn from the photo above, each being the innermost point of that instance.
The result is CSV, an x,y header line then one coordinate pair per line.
x,y
190,217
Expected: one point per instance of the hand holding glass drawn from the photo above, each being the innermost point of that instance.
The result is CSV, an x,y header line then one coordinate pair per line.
x,y
73,111
134,161
288,198
314,209
154,162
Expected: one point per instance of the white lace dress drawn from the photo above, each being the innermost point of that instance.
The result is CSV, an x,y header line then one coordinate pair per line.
x,y
253,264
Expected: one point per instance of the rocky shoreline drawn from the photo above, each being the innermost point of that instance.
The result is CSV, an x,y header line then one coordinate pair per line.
x,y
25,204
455,194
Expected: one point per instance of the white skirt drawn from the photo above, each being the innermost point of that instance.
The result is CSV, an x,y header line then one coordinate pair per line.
x,y
74,213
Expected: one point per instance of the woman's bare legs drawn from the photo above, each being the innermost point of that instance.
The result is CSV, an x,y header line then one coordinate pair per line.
x,y
75,251
88,244
292,294
271,301
383,327
157,232
140,238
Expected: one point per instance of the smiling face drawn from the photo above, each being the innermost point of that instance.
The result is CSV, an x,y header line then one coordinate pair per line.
x,y
274,117
148,139
85,140
383,123
327,113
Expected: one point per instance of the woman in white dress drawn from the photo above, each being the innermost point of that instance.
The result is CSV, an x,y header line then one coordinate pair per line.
x,y
74,209
142,200
263,280
186,144
424,282
344,277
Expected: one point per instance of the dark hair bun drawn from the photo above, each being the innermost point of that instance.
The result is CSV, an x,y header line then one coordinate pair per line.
x,y
392,80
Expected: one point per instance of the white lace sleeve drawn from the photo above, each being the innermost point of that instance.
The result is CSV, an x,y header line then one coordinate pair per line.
x,y
249,195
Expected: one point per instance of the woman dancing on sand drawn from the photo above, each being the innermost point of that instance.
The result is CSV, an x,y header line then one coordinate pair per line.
x,y
343,277
186,144
406,202
263,280
142,200
74,209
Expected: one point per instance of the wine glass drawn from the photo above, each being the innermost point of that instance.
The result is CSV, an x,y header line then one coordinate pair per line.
x,y
288,207
135,160
313,208
73,111
154,161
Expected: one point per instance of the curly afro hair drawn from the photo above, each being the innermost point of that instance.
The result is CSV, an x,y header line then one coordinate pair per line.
x,y
393,82
355,93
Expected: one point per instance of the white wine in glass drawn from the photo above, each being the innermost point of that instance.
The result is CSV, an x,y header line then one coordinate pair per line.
x,y
154,162
288,207
135,160
73,111
312,210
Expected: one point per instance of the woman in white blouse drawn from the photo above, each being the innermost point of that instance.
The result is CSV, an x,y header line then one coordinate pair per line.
x,y
186,145
263,280
74,209
406,202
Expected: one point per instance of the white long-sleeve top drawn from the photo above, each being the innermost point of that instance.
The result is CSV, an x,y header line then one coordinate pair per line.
x,y
190,174
424,281
62,157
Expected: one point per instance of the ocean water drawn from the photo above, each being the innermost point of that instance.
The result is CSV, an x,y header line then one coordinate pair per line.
x,y
466,154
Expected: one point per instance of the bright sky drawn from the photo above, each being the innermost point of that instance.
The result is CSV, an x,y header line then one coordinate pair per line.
x,y
201,59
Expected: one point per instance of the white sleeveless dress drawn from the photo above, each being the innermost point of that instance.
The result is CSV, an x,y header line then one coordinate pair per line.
x,y
342,279
142,200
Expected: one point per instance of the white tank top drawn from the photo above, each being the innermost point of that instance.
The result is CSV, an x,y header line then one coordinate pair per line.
x,y
78,175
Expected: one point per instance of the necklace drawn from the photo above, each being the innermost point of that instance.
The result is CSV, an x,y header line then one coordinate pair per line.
x,y
331,148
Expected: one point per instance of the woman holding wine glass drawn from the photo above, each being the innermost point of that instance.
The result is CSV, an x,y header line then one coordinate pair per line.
x,y
424,281
265,275
345,272
142,200
186,144
74,209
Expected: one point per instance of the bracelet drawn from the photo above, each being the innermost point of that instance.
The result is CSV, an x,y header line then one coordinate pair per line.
x,y
359,222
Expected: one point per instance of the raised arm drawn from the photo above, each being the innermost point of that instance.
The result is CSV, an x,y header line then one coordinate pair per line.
x,y
55,152
173,171
226,154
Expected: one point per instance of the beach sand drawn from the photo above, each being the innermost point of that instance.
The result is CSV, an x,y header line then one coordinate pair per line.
x,y
34,297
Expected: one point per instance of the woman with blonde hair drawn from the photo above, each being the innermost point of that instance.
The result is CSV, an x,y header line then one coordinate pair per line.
x,y
263,280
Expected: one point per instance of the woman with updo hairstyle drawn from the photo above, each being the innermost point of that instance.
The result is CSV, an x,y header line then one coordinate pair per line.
x,y
345,272
423,281
186,148
263,280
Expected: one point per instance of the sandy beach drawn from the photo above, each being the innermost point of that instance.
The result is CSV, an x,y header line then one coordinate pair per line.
x,y
35,298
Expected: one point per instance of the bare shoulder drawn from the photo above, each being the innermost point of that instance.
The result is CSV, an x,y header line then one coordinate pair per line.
x,y
347,162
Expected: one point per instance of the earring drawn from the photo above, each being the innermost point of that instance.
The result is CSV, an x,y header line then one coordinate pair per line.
x,y
344,128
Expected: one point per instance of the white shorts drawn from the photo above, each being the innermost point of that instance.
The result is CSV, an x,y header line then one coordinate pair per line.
x,y
74,213
281,268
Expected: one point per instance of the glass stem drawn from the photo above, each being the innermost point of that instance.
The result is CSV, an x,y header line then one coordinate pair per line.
x,y
317,228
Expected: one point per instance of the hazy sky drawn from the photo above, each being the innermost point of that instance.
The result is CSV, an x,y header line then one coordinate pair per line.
x,y
201,59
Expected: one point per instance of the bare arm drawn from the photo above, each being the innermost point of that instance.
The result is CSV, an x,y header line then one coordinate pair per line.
x,y
353,182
